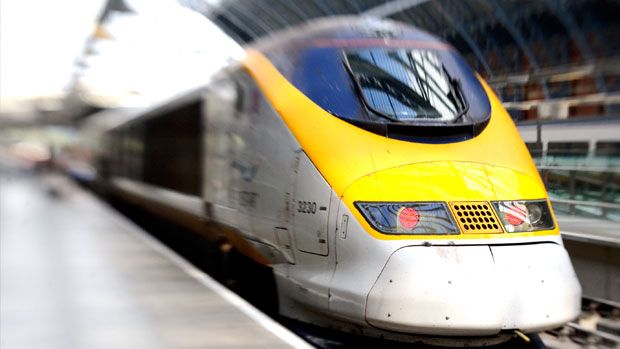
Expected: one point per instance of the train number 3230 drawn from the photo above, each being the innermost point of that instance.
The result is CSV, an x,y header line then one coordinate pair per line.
x,y
306,207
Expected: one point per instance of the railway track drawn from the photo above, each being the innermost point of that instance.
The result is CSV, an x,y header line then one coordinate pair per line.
x,y
598,326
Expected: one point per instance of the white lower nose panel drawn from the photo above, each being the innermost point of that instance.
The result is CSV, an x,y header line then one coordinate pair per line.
x,y
474,290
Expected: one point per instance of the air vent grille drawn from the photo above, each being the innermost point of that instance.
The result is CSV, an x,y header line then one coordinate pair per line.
x,y
476,217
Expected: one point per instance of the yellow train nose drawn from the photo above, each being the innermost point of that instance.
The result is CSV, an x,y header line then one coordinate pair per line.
x,y
447,182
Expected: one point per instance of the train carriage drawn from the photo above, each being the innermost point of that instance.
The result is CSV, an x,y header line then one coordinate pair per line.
x,y
376,174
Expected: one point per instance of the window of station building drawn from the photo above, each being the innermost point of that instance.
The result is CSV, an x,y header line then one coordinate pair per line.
x,y
534,148
607,149
567,149
173,149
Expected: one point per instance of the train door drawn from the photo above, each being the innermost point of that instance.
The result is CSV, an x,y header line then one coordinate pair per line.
x,y
312,230
311,209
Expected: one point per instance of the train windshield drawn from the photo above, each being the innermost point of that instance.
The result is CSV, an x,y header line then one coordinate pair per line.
x,y
405,84
401,83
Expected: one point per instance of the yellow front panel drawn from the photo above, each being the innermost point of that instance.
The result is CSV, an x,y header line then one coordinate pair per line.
x,y
448,182
363,166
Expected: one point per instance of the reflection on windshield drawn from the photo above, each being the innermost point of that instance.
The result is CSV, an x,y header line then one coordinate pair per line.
x,y
406,84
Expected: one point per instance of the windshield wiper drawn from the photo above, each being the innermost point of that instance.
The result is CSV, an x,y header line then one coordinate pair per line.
x,y
457,92
360,94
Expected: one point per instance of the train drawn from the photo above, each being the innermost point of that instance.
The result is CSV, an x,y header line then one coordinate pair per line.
x,y
373,171
595,138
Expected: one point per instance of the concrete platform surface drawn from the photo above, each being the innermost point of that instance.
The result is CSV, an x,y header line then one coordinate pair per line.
x,y
591,230
75,274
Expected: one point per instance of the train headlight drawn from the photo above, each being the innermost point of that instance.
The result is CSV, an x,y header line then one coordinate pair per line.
x,y
523,216
420,218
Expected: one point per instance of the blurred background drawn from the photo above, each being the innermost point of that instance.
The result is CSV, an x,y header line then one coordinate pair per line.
x,y
555,64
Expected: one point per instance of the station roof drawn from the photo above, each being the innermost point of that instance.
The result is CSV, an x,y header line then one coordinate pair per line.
x,y
507,41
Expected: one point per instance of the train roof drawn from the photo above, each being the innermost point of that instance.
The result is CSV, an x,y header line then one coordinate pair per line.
x,y
348,31
114,119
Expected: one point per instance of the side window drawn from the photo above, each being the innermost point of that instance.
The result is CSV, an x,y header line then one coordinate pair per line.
x,y
608,149
122,151
125,154
567,149
114,153
135,148
173,149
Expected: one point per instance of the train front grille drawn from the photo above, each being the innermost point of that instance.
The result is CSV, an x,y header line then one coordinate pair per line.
x,y
476,217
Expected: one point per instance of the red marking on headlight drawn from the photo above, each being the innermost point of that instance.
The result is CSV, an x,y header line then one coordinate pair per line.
x,y
516,214
408,218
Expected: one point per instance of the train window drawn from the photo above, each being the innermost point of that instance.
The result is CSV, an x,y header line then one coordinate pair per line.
x,y
115,153
172,149
125,156
104,160
134,149
567,149
121,155
406,84
608,149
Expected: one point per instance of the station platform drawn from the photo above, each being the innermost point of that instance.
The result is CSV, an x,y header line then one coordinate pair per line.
x,y
75,274
591,230
594,248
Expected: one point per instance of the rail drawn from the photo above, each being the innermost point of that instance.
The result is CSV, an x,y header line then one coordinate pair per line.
x,y
597,326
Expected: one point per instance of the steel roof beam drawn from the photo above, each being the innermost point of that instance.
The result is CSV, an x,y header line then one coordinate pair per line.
x,y
292,5
249,18
209,10
355,6
468,39
276,15
233,29
234,19
510,26
489,40
577,35
392,7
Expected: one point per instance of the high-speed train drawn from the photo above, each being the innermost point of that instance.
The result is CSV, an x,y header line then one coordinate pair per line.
x,y
598,139
375,173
